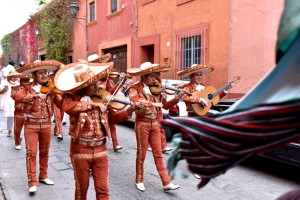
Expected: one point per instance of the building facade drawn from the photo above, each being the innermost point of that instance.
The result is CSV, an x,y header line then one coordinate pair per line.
x,y
237,37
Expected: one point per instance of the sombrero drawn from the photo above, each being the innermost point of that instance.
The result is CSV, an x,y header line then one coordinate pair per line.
x,y
147,68
204,68
79,75
49,65
15,74
94,58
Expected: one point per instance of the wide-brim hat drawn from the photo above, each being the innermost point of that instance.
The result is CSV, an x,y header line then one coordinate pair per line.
x,y
15,74
95,58
78,75
147,68
49,65
203,68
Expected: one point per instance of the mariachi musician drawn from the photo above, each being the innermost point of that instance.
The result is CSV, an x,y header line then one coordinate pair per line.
x,y
147,126
108,84
19,118
58,112
167,105
89,127
38,110
195,73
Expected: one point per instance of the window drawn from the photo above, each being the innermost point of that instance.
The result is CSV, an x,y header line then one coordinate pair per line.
x,y
92,11
114,6
191,51
191,47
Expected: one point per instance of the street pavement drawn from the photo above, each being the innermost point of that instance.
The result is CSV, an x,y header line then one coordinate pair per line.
x,y
238,183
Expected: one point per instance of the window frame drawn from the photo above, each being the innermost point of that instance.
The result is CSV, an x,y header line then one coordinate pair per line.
x,y
189,32
92,4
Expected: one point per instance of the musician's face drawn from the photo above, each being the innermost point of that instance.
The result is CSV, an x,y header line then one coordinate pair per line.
x,y
102,84
196,77
91,90
149,79
41,76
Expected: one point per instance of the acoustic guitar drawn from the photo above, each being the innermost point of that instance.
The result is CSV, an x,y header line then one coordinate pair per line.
x,y
211,95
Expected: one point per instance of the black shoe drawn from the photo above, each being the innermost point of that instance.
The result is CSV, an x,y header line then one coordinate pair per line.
x,y
59,137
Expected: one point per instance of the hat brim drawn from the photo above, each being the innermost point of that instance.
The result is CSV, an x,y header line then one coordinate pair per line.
x,y
204,69
16,74
103,59
49,65
140,72
64,78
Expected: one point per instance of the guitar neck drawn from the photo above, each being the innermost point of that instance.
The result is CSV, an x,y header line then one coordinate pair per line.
x,y
219,91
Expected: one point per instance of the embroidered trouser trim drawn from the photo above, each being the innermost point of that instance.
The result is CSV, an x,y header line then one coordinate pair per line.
x,y
58,116
85,159
113,132
149,132
37,136
18,125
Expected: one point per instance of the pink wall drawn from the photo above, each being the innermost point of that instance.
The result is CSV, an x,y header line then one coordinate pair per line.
x,y
252,40
166,18
79,34
106,28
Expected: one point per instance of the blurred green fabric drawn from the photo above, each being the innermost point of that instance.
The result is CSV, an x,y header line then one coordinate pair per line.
x,y
289,27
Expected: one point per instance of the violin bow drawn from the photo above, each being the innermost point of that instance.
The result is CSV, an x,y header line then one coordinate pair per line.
x,y
117,89
167,80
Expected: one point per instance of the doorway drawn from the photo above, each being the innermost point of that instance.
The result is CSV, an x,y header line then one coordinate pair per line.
x,y
119,57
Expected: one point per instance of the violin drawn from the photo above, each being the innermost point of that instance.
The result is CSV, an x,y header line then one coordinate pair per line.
x,y
49,87
157,88
118,102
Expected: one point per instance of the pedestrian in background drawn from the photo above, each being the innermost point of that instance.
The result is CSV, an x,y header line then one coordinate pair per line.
x,y
7,103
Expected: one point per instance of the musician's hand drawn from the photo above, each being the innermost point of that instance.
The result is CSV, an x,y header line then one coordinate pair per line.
x,y
122,75
203,102
183,92
40,95
100,106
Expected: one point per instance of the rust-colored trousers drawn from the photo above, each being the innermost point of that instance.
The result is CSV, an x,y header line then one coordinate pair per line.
x,y
113,132
164,143
58,116
85,159
37,135
18,125
148,130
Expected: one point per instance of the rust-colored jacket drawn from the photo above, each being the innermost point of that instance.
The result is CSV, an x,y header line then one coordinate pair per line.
x,y
86,121
34,105
136,93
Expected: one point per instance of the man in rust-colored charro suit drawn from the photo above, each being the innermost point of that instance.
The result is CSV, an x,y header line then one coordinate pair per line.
x,y
147,127
195,73
38,110
89,127
19,118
